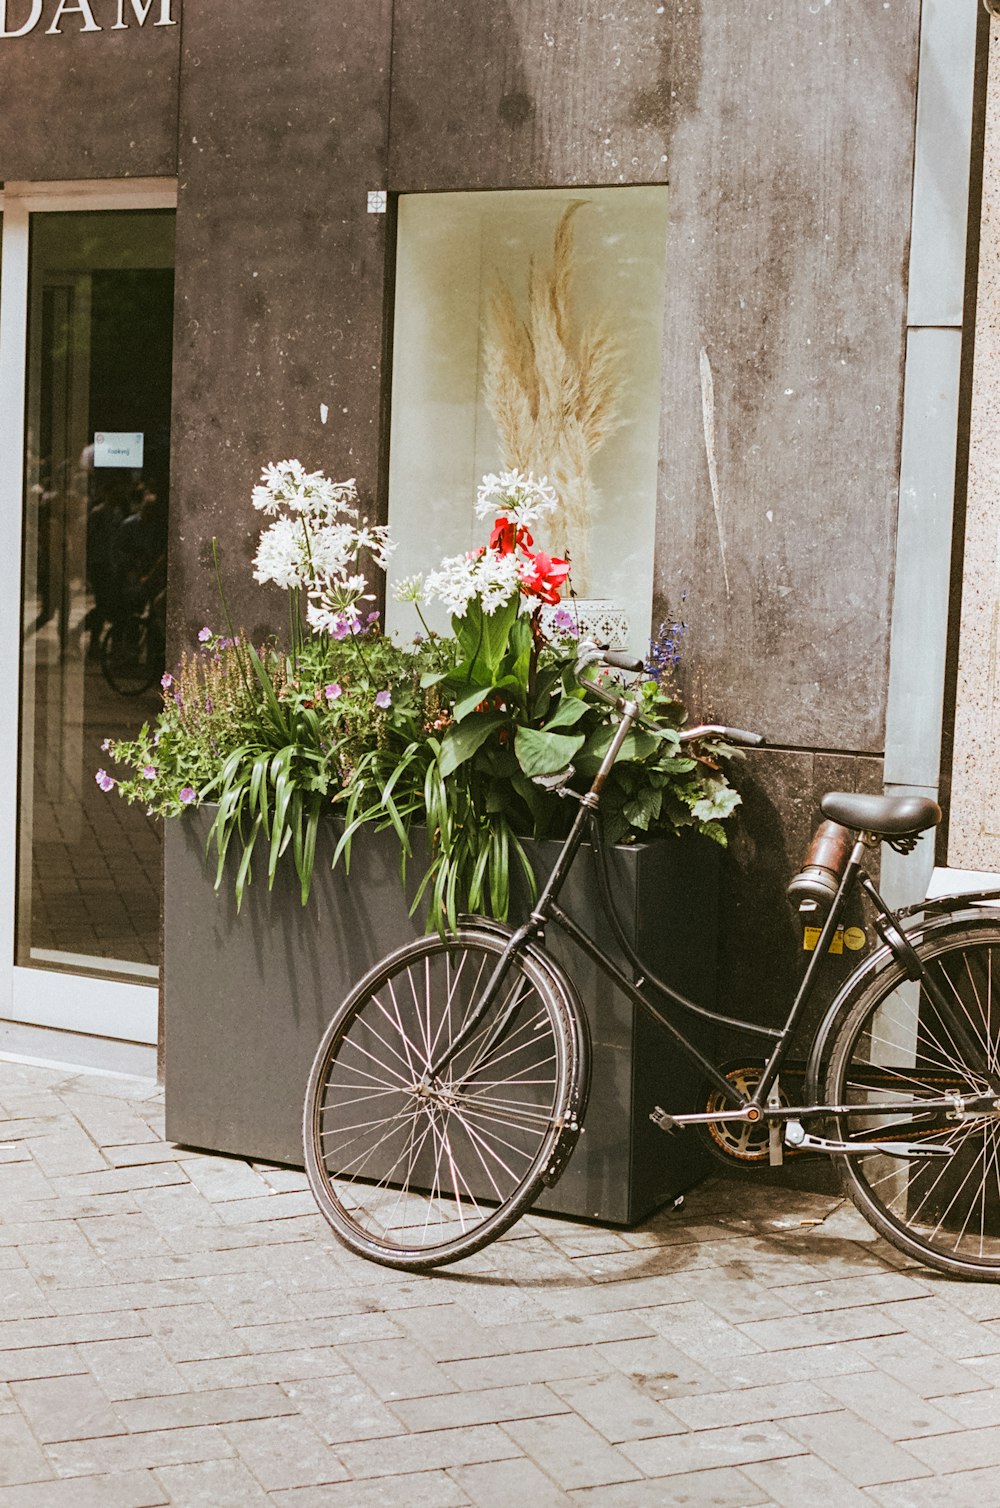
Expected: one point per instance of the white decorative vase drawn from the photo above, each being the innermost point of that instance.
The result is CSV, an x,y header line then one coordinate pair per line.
x,y
598,618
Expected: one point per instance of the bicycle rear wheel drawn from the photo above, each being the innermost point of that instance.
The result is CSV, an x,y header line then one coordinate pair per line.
x,y
416,1171
898,1043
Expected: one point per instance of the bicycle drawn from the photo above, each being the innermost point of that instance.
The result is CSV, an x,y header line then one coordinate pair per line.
x,y
132,650
450,1087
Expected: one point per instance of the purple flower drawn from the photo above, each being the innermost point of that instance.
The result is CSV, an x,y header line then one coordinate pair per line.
x,y
149,771
187,794
106,746
563,621
332,691
383,699
104,780
204,634
373,617
166,680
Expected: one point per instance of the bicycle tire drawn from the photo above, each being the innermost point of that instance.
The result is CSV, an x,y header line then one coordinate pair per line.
x,y
129,661
438,1172
895,1041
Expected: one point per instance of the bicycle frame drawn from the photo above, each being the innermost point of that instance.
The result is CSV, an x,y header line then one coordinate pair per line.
x,y
746,1107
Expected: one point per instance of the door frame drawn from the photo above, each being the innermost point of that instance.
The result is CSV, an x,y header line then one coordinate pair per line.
x,y
39,997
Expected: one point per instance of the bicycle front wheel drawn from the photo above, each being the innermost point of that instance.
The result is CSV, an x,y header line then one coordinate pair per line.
x,y
414,1169
903,1042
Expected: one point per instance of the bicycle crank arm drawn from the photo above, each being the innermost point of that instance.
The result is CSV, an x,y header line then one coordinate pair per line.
x,y
798,1137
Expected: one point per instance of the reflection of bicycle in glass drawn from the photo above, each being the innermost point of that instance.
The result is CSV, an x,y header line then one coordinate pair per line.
x,y
133,649
450,1087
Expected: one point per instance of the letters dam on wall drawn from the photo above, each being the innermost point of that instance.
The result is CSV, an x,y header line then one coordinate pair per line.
x,y
54,18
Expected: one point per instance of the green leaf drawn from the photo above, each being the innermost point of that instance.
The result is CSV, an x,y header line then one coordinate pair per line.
x,y
542,753
567,713
463,739
470,701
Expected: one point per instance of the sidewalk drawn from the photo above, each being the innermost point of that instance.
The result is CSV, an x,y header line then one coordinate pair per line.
x,y
184,1329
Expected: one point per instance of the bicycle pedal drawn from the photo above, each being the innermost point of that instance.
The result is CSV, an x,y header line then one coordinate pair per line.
x,y
662,1120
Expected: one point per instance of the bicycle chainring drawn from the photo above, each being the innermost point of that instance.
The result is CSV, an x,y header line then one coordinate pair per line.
x,y
739,1141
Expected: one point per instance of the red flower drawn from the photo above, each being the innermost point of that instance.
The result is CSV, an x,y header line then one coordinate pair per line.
x,y
507,536
543,575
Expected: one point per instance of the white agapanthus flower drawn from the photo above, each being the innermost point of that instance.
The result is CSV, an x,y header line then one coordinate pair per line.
x,y
491,577
523,498
315,542
409,588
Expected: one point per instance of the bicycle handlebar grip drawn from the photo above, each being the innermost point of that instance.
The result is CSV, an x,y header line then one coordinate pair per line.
x,y
742,736
620,661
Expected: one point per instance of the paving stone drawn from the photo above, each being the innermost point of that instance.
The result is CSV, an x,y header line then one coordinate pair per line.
x,y
752,1405
217,1406
484,1406
21,1458
501,1483
700,1331
247,1302
128,1489
898,1412
943,1327
961,1451
617,1407
971,1410
954,1491
433,1450
267,1206
71,1329
509,1371
67,1408
920,1367
285,1452
345,1408
65,1148
210,1484
657,1366
804,1480
272,1366
21,1297
130,1452
40,1361
570,1451
711,1447
224,1179
817,1329
194,1332
854,1448
424,1489
844,1293
721,1487
731,1292
132,1368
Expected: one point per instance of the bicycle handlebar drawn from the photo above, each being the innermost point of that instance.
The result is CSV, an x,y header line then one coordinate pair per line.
x,y
740,736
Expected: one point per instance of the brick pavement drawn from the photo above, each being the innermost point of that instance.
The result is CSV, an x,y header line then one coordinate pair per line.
x,y
184,1329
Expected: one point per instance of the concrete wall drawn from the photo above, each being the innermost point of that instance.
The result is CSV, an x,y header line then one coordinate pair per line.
x,y
786,135
974,828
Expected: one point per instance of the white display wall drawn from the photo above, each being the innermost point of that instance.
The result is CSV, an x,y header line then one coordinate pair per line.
x,y
452,250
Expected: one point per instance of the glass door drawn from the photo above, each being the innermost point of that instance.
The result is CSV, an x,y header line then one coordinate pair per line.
x,y
93,317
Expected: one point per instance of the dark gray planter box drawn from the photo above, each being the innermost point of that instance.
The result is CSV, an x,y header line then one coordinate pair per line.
x,y
247,998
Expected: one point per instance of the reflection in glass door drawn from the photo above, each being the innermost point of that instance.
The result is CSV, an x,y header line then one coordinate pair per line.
x,y
96,489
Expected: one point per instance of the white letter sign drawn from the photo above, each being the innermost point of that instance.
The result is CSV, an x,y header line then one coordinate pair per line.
x,y
29,25
82,8
142,8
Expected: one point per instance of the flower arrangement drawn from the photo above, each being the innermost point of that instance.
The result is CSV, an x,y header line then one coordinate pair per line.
x,y
451,740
